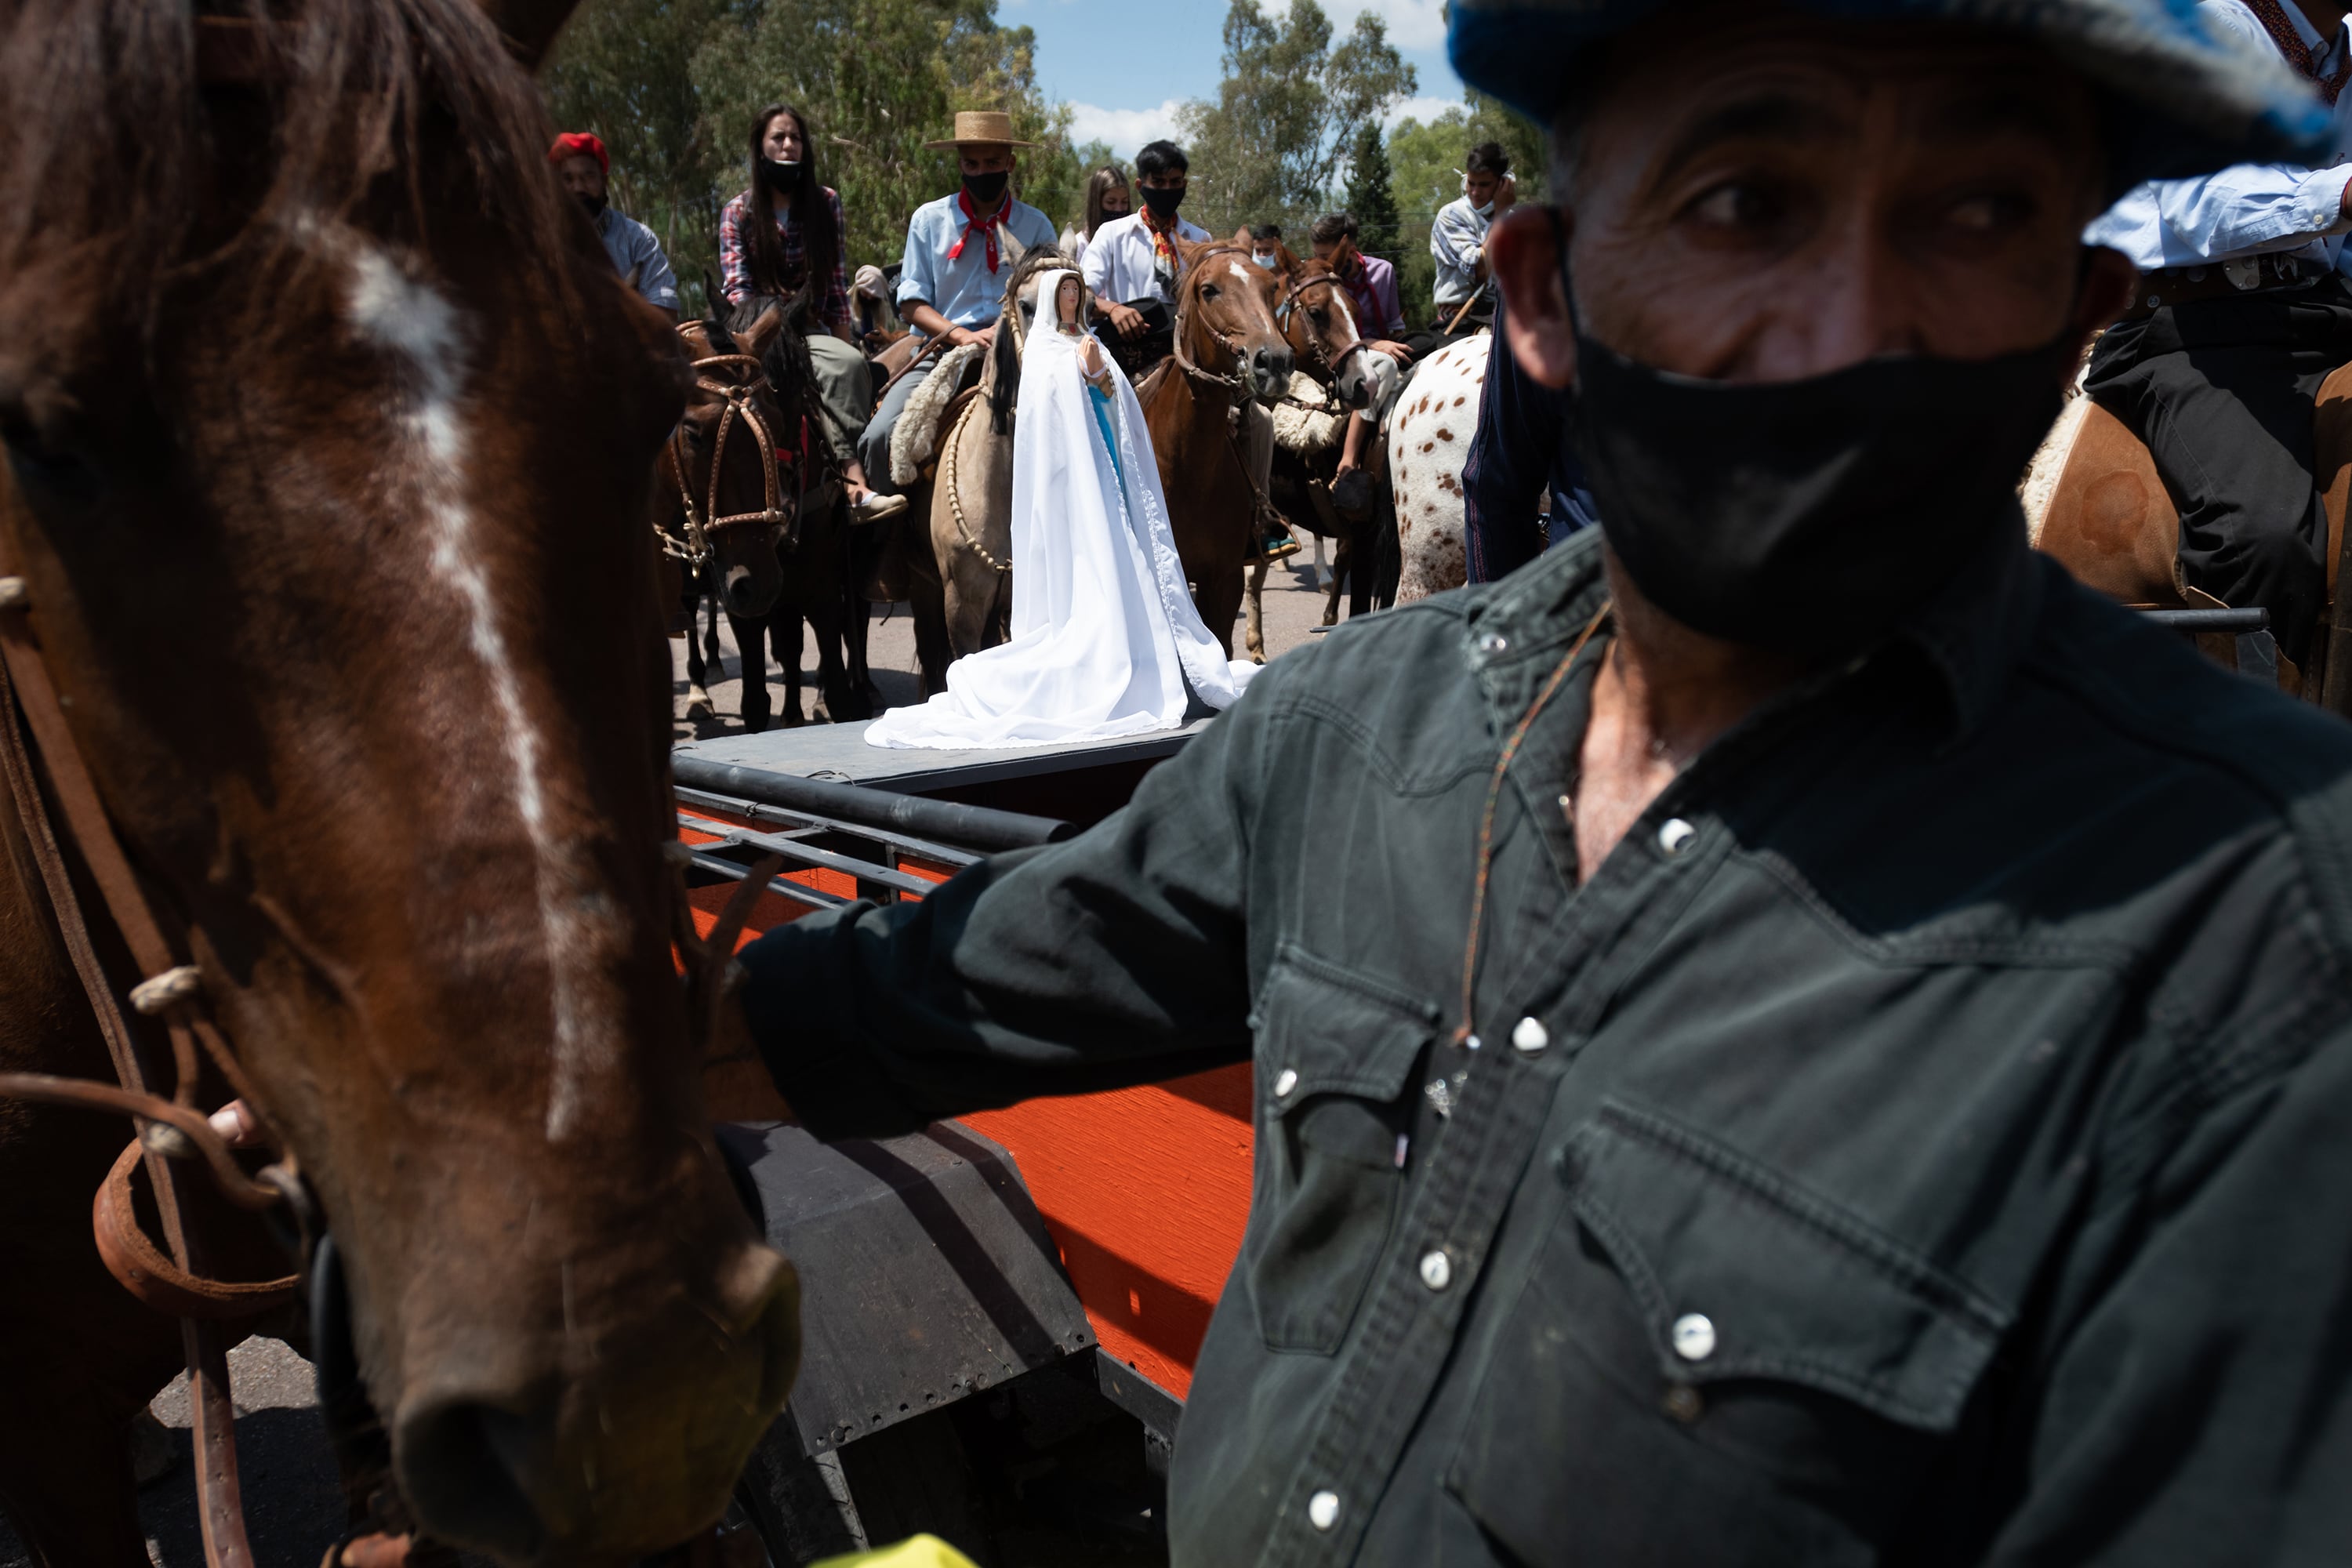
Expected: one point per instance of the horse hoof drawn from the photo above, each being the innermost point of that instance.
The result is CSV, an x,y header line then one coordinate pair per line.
x,y
698,704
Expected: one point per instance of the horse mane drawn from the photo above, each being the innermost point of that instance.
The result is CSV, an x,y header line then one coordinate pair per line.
x,y
786,359
108,146
1004,353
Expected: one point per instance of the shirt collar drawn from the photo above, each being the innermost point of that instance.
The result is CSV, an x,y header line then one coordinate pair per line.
x,y
1967,638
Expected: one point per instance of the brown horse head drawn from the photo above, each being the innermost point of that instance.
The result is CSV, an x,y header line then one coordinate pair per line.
x,y
732,471
1319,319
1224,318
329,430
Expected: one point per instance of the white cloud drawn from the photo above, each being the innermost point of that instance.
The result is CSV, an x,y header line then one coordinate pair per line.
x,y
1125,128
1423,109
1413,23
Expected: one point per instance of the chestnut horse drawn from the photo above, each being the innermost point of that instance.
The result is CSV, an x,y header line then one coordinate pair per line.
x,y
1229,350
329,430
2095,500
1318,318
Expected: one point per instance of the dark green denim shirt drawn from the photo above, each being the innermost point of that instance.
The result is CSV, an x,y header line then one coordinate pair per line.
x,y
1928,1138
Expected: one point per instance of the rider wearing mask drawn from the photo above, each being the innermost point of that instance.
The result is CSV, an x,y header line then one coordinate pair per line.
x,y
1265,245
785,232
952,280
1841,1052
1371,287
1107,197
1458,238
1132,263
584,166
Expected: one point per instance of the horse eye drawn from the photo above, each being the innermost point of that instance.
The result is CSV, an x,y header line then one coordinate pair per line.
x,y
1320,318
1208,291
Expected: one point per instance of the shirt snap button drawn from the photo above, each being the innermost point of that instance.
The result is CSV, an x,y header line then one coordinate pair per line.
x,y
1436,1270
1493,643
1323,1510
1529,1038
1693,1336
1675,835
1287,1080
1684,1404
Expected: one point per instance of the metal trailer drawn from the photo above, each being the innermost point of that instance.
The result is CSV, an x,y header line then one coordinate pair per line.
x,y
1000,1314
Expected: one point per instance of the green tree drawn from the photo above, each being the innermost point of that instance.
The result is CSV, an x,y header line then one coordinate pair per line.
x,y
1271,144
1368,194
672,85
1423,158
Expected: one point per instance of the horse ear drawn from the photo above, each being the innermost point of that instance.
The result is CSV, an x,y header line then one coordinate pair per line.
x,y
1290,257
529,26
756,338
711,298
1242,234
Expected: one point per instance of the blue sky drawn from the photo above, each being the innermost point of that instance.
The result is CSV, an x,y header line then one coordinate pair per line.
x,y
1126,65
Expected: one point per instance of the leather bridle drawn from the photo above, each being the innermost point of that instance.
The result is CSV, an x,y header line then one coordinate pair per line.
x,y
741,401
1324,358
172,1134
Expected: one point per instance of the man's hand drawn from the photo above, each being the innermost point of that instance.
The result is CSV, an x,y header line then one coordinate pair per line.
x,y
1506,194
1394,350
962,336
1128,322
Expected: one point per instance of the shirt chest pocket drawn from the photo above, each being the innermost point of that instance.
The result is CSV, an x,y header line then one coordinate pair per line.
x,y
1335,1066
1704,1345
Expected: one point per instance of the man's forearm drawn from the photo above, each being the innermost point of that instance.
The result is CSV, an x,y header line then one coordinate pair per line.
x,y
924,319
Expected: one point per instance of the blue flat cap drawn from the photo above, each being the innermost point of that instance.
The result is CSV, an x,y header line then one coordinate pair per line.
x,y
2181,100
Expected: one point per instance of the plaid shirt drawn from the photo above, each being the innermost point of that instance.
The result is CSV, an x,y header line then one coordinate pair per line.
x,y
735,258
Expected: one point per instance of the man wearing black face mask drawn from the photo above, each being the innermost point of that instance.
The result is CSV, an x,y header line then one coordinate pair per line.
x,y
1132,263
582,165
1844,1052
960,252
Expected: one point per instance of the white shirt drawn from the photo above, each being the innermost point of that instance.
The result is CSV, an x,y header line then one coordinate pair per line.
x,y
1119,260
2248,209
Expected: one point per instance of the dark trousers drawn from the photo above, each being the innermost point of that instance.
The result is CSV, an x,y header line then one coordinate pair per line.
x,y
2221,391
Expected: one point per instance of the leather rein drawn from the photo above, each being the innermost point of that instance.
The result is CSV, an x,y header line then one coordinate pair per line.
x,y
172,1134
1327,361
742,403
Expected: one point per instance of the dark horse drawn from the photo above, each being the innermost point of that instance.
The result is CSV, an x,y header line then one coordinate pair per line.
x,y
328,433
768,581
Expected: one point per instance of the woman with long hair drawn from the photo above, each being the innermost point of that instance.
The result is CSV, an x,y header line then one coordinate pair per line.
x,y
1108,197
783,233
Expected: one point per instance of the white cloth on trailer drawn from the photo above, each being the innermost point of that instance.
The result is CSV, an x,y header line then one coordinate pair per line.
x,y
1105,634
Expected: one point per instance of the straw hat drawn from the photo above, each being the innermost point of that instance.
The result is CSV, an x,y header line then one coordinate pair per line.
x,y
982,128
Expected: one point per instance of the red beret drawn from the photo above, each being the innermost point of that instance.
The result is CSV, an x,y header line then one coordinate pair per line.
x,y
572,143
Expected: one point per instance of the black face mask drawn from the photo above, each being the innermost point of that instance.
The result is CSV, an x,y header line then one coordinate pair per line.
x,y
1163,204
595,203
782,178
984,189
1811,515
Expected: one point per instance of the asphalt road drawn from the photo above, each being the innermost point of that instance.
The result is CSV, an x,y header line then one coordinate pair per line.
x,y
293,1506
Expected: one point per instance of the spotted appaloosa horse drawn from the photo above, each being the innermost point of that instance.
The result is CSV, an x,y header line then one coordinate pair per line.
x,y
1429,441
329,430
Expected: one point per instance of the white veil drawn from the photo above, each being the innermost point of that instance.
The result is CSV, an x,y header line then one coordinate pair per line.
x,y
1105,638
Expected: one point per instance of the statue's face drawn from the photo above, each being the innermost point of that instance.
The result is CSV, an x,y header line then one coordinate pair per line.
x,y
1066,302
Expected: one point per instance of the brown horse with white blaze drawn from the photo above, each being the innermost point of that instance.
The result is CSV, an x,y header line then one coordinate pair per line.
x,y
329,430
1230,351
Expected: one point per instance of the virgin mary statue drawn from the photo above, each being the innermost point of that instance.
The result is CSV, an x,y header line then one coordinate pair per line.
x,y
1106,640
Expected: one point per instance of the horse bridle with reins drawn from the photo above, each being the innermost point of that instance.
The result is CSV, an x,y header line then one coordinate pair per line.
x,y
1329,362
171,1131
742,403
1236,385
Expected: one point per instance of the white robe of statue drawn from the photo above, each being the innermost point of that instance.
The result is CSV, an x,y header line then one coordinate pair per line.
x,y
1105,634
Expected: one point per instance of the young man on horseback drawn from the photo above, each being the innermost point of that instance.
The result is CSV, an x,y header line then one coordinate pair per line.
x,y
2241,311
1839,1049
1372,288
1458,238
1131,264
582,165
951,282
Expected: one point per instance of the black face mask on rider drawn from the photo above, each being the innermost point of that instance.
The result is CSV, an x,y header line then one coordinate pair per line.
x,y
593,200
782,178
984,189
1163,204
1814,515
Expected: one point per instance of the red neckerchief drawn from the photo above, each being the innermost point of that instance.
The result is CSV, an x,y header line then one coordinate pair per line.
x,y
972,226
1163,248
2300,55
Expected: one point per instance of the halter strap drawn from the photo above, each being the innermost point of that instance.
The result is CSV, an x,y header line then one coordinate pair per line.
x,y
742,402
